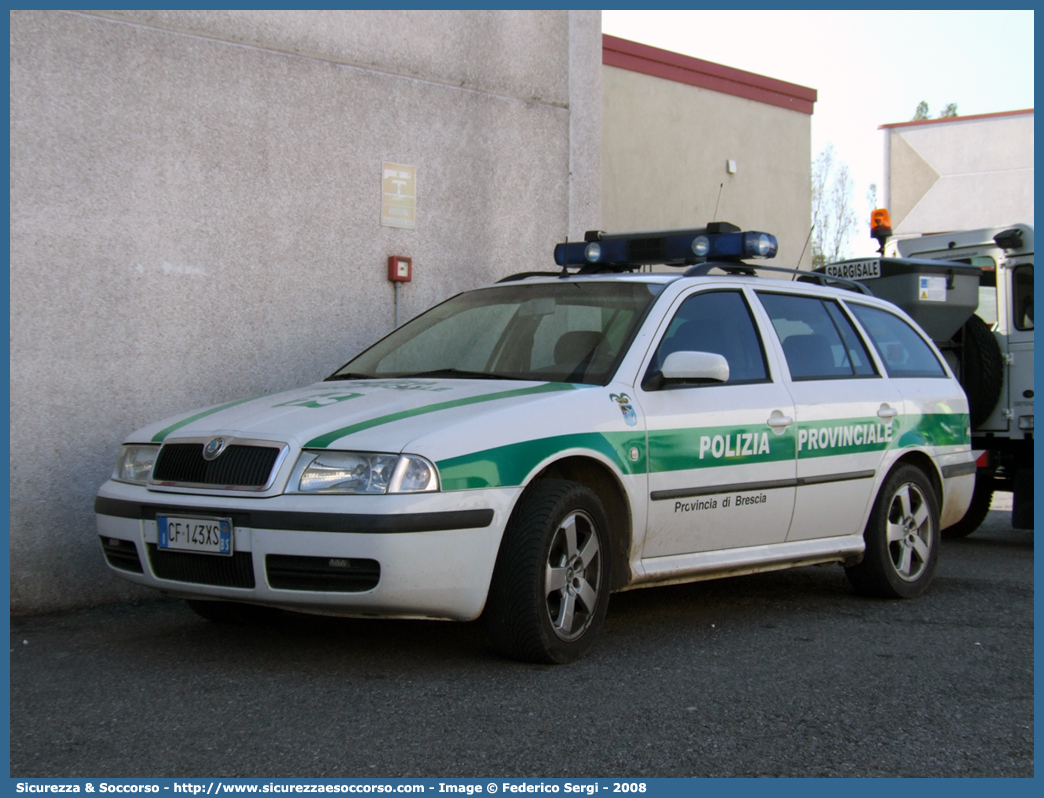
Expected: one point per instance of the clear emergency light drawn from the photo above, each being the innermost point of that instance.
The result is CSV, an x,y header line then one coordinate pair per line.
x,y
625,251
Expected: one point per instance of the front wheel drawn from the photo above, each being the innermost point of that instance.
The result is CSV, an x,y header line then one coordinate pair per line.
x,y
550,587
902,538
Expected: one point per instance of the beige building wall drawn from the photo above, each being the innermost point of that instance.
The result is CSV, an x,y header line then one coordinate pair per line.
x,y
959,173
666,145
195,216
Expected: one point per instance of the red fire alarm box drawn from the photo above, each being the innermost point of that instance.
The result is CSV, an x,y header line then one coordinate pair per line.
x,y
400,269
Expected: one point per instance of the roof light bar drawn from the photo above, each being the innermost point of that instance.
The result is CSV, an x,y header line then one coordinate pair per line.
x,y
625,251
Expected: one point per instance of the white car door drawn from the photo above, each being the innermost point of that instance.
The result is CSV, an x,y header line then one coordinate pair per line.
x,y
721,454
847,413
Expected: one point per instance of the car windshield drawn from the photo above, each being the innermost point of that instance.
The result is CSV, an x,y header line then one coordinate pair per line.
x,y
552,332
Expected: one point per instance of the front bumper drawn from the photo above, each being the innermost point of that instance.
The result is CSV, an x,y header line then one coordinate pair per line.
x,y
423,555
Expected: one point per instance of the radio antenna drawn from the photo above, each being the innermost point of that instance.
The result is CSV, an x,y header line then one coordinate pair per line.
x,y
565,258
798,266
715,217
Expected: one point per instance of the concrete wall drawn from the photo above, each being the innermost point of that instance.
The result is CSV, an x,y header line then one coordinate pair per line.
x,y
959,174
195,216
664,153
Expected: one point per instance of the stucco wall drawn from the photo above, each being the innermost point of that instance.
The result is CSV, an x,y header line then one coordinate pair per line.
x,y
665,148
195,216
959,174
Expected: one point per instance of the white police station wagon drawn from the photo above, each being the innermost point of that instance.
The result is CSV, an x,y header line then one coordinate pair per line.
x,y
521,451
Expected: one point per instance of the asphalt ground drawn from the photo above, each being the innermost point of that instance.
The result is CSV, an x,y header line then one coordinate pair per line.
x,y
782,674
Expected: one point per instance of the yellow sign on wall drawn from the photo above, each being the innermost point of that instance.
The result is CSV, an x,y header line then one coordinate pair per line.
x,y
399,196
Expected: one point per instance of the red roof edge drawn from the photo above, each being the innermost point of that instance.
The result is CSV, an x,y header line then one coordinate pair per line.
x,y
664,64
954,119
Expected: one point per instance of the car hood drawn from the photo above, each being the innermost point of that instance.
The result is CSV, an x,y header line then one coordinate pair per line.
x,y
365,415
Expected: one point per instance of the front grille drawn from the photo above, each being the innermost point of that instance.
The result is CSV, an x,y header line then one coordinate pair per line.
x,y
239,466
203,569
122,554
326,574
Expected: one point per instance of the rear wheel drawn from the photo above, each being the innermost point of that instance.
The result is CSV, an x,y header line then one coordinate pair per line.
x,y
231,611
902,538
550,587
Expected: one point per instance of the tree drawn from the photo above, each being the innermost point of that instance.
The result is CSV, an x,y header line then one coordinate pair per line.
x,y
948,112
833,217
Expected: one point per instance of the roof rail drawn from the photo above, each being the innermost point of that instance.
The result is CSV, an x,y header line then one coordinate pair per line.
x,y
525,275
702,269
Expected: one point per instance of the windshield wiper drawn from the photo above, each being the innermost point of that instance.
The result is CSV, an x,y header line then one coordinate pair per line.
x,y
349,375
459,374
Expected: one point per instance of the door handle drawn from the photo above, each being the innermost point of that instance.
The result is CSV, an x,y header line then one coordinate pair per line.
x,y
780,422
887,412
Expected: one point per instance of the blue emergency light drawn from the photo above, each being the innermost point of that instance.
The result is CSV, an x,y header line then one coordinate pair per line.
x,y
626,251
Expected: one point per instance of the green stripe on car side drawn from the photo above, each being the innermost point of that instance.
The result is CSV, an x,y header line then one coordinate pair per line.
x,y
326,439
856,435
163,433
938,429
841,436
713,447
680,449
507,466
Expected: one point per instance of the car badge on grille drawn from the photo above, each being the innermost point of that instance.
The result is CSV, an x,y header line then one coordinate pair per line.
x,y
213,448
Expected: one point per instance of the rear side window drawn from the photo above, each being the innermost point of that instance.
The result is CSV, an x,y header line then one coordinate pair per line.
x,y
818,340
904,352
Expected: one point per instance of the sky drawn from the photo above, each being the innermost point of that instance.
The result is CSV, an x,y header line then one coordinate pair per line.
x,y
869,68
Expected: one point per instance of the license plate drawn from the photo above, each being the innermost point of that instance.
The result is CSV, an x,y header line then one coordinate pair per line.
x,y
200,535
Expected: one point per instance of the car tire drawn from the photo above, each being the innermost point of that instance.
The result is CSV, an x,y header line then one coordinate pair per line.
x,y
982,370
232,612
551,581
979,508
902,538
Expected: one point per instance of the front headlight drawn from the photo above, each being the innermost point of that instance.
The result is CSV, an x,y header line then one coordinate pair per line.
x,y
366,473
414,474
134,464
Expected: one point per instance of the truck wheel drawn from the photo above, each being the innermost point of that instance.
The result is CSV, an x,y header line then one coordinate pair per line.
x,y
550,587
982,370
231,612
902,538
1022,498
982,498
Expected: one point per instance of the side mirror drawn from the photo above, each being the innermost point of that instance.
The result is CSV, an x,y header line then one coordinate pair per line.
x,y
696,367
